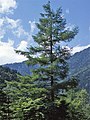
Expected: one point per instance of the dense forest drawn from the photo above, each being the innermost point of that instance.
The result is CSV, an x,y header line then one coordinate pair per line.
x,y
48,93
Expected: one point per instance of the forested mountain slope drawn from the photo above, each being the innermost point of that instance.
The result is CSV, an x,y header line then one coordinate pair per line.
x,y
6,74
79,65
22,68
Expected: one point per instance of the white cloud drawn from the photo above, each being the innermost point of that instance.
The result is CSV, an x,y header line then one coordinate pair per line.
x,y
9,26
1,22
79,48
14,27
7,6
22,46
32,26
20,32
2,31
12,24
8,54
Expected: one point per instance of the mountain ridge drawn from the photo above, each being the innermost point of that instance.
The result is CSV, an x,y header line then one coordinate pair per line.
x,y
79,65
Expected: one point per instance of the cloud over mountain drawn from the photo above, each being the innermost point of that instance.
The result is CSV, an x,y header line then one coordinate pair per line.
x,y
13,35
8,54
79,48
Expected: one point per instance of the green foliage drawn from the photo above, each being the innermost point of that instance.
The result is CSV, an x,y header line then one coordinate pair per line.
x,y
79,105
49,55
45,94
35,96
79,65
25,96
5,75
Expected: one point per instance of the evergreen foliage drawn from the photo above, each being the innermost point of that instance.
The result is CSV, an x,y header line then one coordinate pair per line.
x,y
50,56
25,96
5,75
45,94
79,107
79,66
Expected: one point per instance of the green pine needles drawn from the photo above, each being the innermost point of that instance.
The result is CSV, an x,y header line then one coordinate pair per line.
x,y
49,55
45,95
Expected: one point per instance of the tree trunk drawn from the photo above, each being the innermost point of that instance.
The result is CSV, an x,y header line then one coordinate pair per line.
x,y
51,59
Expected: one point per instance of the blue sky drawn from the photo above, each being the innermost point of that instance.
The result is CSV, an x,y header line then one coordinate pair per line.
x,y
17,24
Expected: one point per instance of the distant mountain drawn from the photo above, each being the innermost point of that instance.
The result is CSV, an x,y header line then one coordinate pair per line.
x,y
79,66
22,68
80,60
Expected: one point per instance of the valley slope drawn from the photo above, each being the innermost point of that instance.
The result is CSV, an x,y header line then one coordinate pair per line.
x,y
79,65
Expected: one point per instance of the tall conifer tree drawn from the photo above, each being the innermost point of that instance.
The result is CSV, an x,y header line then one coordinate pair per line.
x,y
49,55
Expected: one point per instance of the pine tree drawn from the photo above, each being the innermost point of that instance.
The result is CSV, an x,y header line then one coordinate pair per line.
x,y
50,57
5,111
33,97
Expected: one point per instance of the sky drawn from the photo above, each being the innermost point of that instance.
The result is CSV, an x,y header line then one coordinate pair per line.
x,y
17,25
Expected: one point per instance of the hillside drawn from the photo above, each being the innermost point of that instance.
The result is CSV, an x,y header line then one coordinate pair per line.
x,y
22,68
79,66
7,74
